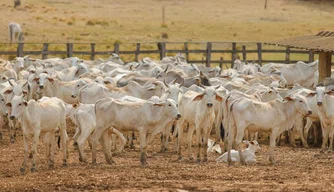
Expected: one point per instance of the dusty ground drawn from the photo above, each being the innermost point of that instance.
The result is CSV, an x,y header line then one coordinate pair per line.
x,y
297,170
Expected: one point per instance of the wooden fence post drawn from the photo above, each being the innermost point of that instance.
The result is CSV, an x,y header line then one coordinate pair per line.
x,y
208,54
310,56
69,49
19,52
287,55
221,62
116,48
162,49
92,50
259,53
186,49
45,50
244,54
233,56
137,51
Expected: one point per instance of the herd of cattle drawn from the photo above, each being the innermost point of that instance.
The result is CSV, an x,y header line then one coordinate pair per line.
x,y
110,99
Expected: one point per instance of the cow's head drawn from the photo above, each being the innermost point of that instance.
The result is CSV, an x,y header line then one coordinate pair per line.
x,y
321,91
300,104
173,90
170,109
208,96
77,86
17,106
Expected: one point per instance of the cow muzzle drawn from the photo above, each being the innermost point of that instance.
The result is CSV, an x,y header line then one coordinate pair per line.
x,y
41,86
209,104
319,103
12,117
178,116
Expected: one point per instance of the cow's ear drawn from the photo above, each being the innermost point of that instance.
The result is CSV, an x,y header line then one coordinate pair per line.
x,y
246,142
219,98
24,92
199,97
25,103
106,82
311,94
51,80
288,98
7,92
74,105
8,105
252,142
159,104
35,79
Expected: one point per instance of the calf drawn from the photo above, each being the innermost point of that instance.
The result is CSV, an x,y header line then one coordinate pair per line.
x,y
37,117
248,153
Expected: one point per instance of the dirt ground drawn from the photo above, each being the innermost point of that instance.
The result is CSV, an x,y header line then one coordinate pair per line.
x,y
297,170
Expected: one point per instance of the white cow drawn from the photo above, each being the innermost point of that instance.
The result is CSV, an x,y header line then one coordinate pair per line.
x,y
274,116
325,102
197,110
248,153
37,117
145,117
15,32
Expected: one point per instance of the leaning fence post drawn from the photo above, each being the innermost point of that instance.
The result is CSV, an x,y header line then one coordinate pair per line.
x,y
19,52
45,50
208,54
69,49
221,62
259,53
162,49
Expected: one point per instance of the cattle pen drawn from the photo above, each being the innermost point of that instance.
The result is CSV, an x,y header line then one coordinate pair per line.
x,y
208,53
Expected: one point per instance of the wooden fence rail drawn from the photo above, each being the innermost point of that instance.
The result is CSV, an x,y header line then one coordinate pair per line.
x,y
162,51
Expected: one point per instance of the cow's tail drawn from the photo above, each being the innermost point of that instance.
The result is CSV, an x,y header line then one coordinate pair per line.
x,y
231,129
58,141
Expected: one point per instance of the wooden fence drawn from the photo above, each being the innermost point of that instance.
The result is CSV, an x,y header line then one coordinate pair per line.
x,y
230,53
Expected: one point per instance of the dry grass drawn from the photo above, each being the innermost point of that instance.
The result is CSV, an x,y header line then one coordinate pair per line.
x,y
111,21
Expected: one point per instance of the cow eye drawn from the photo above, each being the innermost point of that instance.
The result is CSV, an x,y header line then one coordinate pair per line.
x,y
170,105
301,101
37,82
20,104
77,85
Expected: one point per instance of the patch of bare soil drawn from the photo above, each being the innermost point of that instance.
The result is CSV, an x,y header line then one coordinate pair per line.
x,y
297,170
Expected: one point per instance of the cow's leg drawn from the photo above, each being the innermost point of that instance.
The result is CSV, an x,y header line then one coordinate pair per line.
x,y
11,127
231,135
331,137
95,139
34,148
165,136
325,134
238,141
113,140
217,127
307,127
52,149
190,139
205,145
81,145
122,138
26,152
273,135
179,128
199,143
76,137
105,141
299,127
64,139
292,137
143,146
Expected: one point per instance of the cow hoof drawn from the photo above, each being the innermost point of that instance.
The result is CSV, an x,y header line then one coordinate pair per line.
x,y
51,165
12,140
322,150
30,155
179,158
64,163
191,158
144,163
205,159
82,160
22,170
230,163
198,161
33,169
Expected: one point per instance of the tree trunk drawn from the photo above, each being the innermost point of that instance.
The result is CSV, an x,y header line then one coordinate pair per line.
x,y
17,3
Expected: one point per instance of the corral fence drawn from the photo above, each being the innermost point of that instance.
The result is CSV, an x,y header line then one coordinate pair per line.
x,y
208,53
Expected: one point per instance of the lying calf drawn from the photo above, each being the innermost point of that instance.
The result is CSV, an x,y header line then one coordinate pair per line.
x,y
248,153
